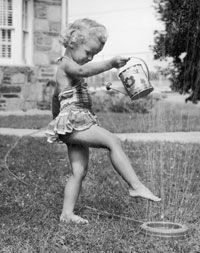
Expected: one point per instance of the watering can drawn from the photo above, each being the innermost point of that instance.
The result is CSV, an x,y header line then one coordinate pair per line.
x,y
135,80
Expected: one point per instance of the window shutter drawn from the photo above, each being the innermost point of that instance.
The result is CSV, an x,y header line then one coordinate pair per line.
x,y
6,26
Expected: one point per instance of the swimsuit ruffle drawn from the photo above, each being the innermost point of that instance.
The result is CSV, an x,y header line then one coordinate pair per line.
x,y
69,119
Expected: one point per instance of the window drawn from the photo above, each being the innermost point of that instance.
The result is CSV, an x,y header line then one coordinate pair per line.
x,y
6,26
25,26
16,32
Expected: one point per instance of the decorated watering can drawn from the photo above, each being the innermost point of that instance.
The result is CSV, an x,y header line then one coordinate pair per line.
x,y
134,79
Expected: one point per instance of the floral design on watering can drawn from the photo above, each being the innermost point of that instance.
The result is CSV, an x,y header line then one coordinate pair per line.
x,y
128,81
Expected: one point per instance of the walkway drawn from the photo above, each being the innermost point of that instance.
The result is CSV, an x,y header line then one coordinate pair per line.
x,y
182,137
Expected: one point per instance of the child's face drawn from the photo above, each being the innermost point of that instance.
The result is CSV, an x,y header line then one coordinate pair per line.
x,y
85,52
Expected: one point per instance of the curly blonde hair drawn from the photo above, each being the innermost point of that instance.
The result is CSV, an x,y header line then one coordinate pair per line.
x,y
80,30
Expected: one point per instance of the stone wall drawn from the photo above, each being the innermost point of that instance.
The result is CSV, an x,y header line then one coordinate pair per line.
x,y
47,26
15,84
23,88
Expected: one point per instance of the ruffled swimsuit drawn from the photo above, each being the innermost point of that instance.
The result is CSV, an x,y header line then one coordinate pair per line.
x,y
75,112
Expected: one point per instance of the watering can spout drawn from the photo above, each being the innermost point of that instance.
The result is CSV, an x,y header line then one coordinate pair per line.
x,y
108,87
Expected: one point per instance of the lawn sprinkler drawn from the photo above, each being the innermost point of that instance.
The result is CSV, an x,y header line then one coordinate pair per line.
x,y
134,79
166,230
160,229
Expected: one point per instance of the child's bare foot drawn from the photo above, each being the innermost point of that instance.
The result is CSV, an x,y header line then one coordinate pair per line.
x,y
143,192
73,218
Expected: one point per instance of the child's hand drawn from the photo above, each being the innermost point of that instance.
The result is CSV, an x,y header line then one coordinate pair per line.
x,y
119,61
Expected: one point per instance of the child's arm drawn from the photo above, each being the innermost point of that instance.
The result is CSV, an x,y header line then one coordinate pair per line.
x,y
93,68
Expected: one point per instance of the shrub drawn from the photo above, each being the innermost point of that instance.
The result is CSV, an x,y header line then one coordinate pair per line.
x,y
110,101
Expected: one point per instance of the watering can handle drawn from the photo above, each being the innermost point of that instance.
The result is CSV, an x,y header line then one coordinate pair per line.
x,y
148,74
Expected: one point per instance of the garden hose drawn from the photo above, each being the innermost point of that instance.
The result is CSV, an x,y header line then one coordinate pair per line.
x,y
6,166
162,229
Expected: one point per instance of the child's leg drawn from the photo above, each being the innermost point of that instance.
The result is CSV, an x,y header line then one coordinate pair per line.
x,y
78,157
96,136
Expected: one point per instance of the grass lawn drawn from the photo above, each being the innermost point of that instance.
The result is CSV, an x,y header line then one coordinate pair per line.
x,y
165,116
29,211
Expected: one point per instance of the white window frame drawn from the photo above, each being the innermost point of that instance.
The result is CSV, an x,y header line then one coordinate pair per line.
x,y
17,50
25,30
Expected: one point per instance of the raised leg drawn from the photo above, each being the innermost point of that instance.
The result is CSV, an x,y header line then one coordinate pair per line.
x,y
96,136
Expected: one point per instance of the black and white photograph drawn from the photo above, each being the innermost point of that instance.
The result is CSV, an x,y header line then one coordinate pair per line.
x,y
99,126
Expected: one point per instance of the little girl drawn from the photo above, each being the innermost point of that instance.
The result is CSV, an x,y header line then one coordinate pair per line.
x,y
75,123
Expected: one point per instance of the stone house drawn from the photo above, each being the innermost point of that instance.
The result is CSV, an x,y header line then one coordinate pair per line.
x,y
29,47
